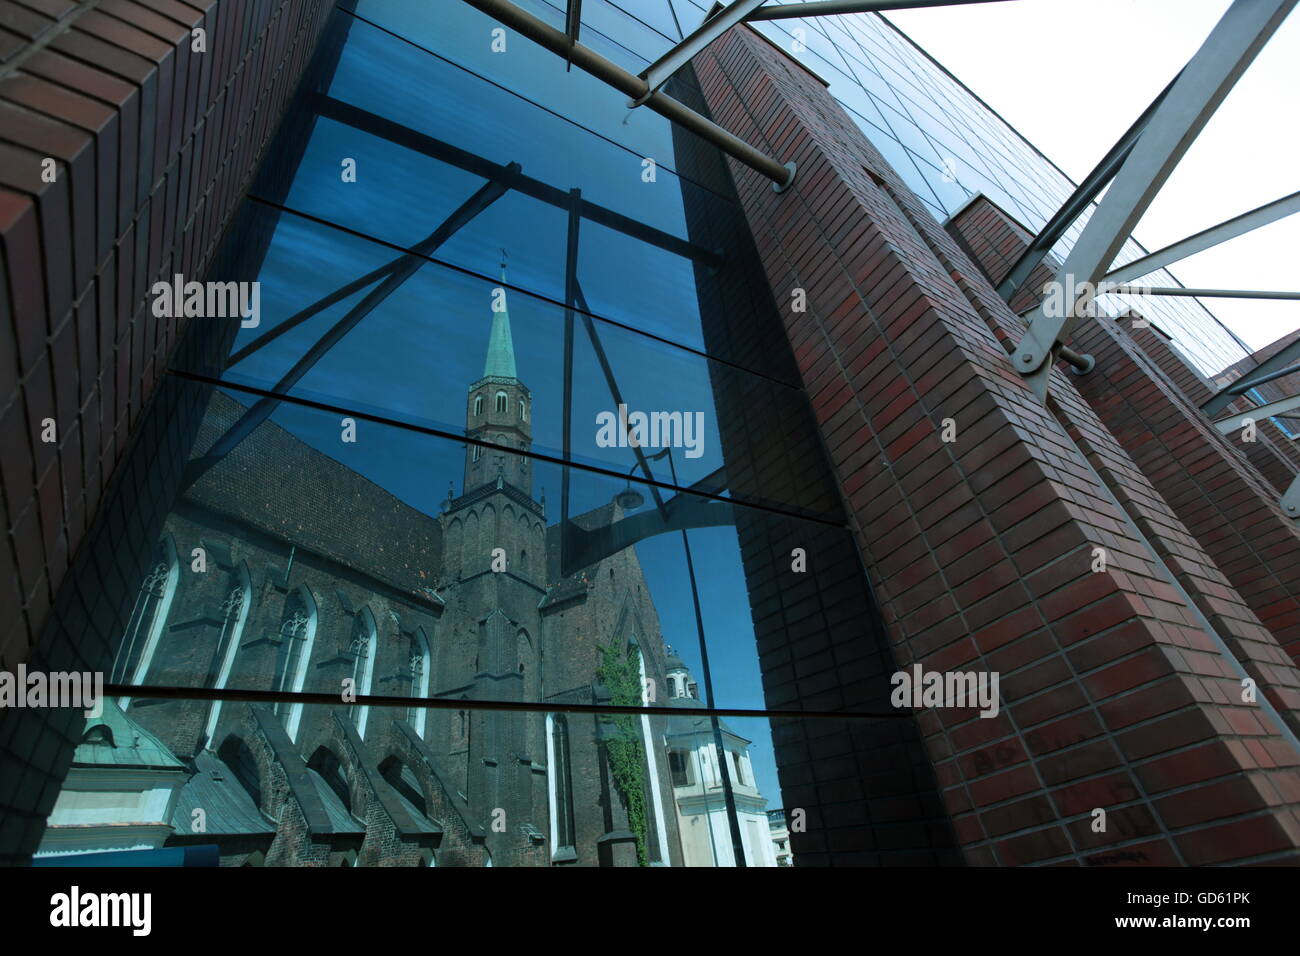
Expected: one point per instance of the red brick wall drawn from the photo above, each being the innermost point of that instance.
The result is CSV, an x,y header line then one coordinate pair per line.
x,y
1115,693
994,241
1150,398
1274,455
152,143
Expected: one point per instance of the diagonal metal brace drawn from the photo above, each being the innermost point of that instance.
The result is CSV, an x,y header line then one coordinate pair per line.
x,y
1197,92
715,24
403,270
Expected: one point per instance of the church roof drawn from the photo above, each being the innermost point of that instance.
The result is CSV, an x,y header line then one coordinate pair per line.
x,y
228,808
115,740
274,481
501,347
340,819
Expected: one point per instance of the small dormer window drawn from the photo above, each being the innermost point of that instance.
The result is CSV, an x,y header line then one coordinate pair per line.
x,y
478,405
99,734
503,402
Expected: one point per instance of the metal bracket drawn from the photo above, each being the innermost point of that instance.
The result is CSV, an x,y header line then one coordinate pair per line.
x,y
1291,499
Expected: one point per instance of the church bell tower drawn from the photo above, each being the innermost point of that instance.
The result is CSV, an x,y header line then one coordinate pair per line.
x,y
498,410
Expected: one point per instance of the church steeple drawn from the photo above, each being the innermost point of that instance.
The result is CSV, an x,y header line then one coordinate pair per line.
x,y
501,347
499,408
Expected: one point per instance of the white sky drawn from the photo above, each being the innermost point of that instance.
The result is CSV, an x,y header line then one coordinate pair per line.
x,y
1072,75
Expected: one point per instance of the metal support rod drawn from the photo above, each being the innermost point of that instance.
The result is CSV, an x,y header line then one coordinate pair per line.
x,y
566,425
1081,363
1197,293
572,27
634,87
824,8
1197,92
1242,386
404,136
1283,357
616,393
320,305
262,409
1232,423
1079,201
658,72
1207,238
728,795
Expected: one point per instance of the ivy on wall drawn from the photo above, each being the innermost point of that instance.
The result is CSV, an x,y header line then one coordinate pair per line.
x,y
620,672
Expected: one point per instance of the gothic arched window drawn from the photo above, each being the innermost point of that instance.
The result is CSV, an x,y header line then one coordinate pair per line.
x,y
478,452
421,667
296,636
478,405
364,647
523,411
234,615
560,783
148,618
503,401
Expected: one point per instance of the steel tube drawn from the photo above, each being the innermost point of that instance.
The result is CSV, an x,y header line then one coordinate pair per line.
x,y
825,8
659,72
1198,293
632,86
1207,238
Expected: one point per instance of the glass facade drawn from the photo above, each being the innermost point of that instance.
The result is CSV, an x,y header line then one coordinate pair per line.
x,y
499,531
502,529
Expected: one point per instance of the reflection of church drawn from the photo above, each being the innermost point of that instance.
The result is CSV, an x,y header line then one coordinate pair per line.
x,y
281,569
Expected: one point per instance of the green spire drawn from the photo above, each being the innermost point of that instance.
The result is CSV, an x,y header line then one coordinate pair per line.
x,y
501,348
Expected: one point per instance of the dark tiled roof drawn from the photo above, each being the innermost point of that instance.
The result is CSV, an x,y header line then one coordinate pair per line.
x,y
695,723
228,806
305,496
340,820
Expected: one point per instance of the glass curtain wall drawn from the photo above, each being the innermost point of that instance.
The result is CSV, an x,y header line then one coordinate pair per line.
x,y
500,522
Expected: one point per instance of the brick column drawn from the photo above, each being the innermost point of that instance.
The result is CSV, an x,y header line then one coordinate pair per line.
x,y
1274,455
149,143
124,150
1116,690
1224,490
